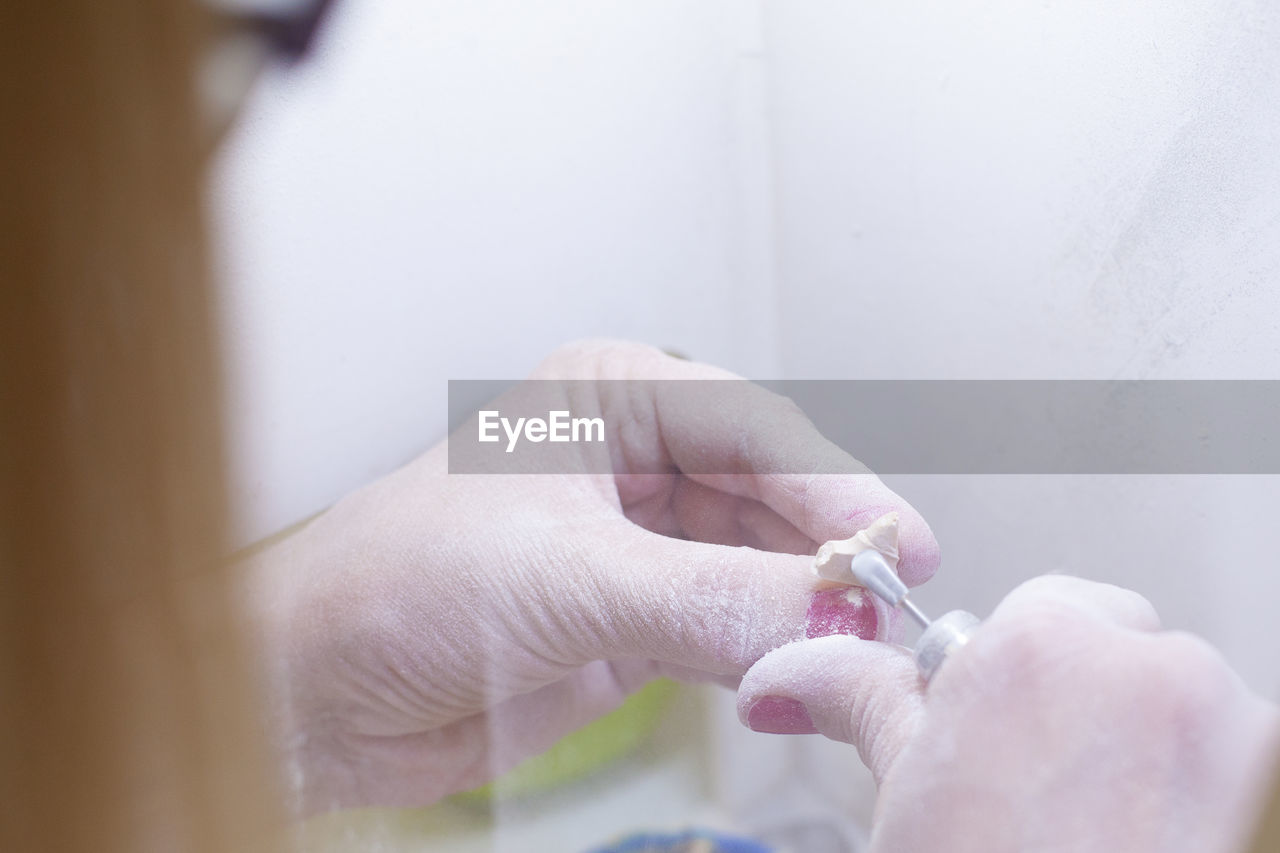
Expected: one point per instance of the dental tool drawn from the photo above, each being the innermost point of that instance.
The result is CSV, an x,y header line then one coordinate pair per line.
x,y
940,638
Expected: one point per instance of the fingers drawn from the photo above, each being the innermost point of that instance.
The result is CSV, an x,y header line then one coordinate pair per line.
x,y
740,439
866,694
705,514
420,767
710,608
1104,601
870,694
836,507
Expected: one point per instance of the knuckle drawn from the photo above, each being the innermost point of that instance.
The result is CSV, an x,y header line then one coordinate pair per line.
x,y
1189,673
1032,646
1189,650
570,359
1138,605
1035,618
785,408
1045,590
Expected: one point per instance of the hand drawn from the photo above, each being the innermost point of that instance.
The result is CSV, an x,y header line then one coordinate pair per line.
x,y
433,629
1069,722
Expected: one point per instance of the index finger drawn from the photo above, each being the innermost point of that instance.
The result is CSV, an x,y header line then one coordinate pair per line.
x,y
744,440
725,432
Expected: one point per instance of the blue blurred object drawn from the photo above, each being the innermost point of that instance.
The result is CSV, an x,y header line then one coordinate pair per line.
x,y
688,841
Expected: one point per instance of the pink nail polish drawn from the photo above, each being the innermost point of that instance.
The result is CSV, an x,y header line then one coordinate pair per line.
x,y
778,715
842,611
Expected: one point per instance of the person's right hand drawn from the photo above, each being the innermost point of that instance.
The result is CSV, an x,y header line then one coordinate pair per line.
x,y
1069,722
434,628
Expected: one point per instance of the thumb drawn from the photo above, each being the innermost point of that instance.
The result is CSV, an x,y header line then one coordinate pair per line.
x,y
717,609
864,693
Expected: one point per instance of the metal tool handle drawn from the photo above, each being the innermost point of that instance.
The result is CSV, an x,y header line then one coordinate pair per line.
x,y
946,634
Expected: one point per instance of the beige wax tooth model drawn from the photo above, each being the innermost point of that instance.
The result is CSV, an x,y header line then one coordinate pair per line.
x,y
834,557
941,637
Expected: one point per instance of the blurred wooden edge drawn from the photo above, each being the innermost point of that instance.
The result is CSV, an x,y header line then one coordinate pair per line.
x,y
1266,838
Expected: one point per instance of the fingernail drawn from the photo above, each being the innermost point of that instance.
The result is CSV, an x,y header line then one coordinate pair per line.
x,y
848,610
778,715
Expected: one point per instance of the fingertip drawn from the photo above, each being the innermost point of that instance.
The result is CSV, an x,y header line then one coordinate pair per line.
x,y
850,690
920,556
777,715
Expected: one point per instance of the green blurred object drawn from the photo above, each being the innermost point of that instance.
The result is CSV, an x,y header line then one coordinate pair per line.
x,y
588,749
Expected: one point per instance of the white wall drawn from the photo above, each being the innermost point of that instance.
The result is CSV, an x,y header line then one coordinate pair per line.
x,y
1016,190
451,189
1008,189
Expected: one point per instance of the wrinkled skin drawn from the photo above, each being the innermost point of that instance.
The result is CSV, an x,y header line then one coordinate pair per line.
x,y
1070,722
432,629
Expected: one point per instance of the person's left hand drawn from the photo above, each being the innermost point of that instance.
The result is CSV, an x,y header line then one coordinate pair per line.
x,y
432,629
